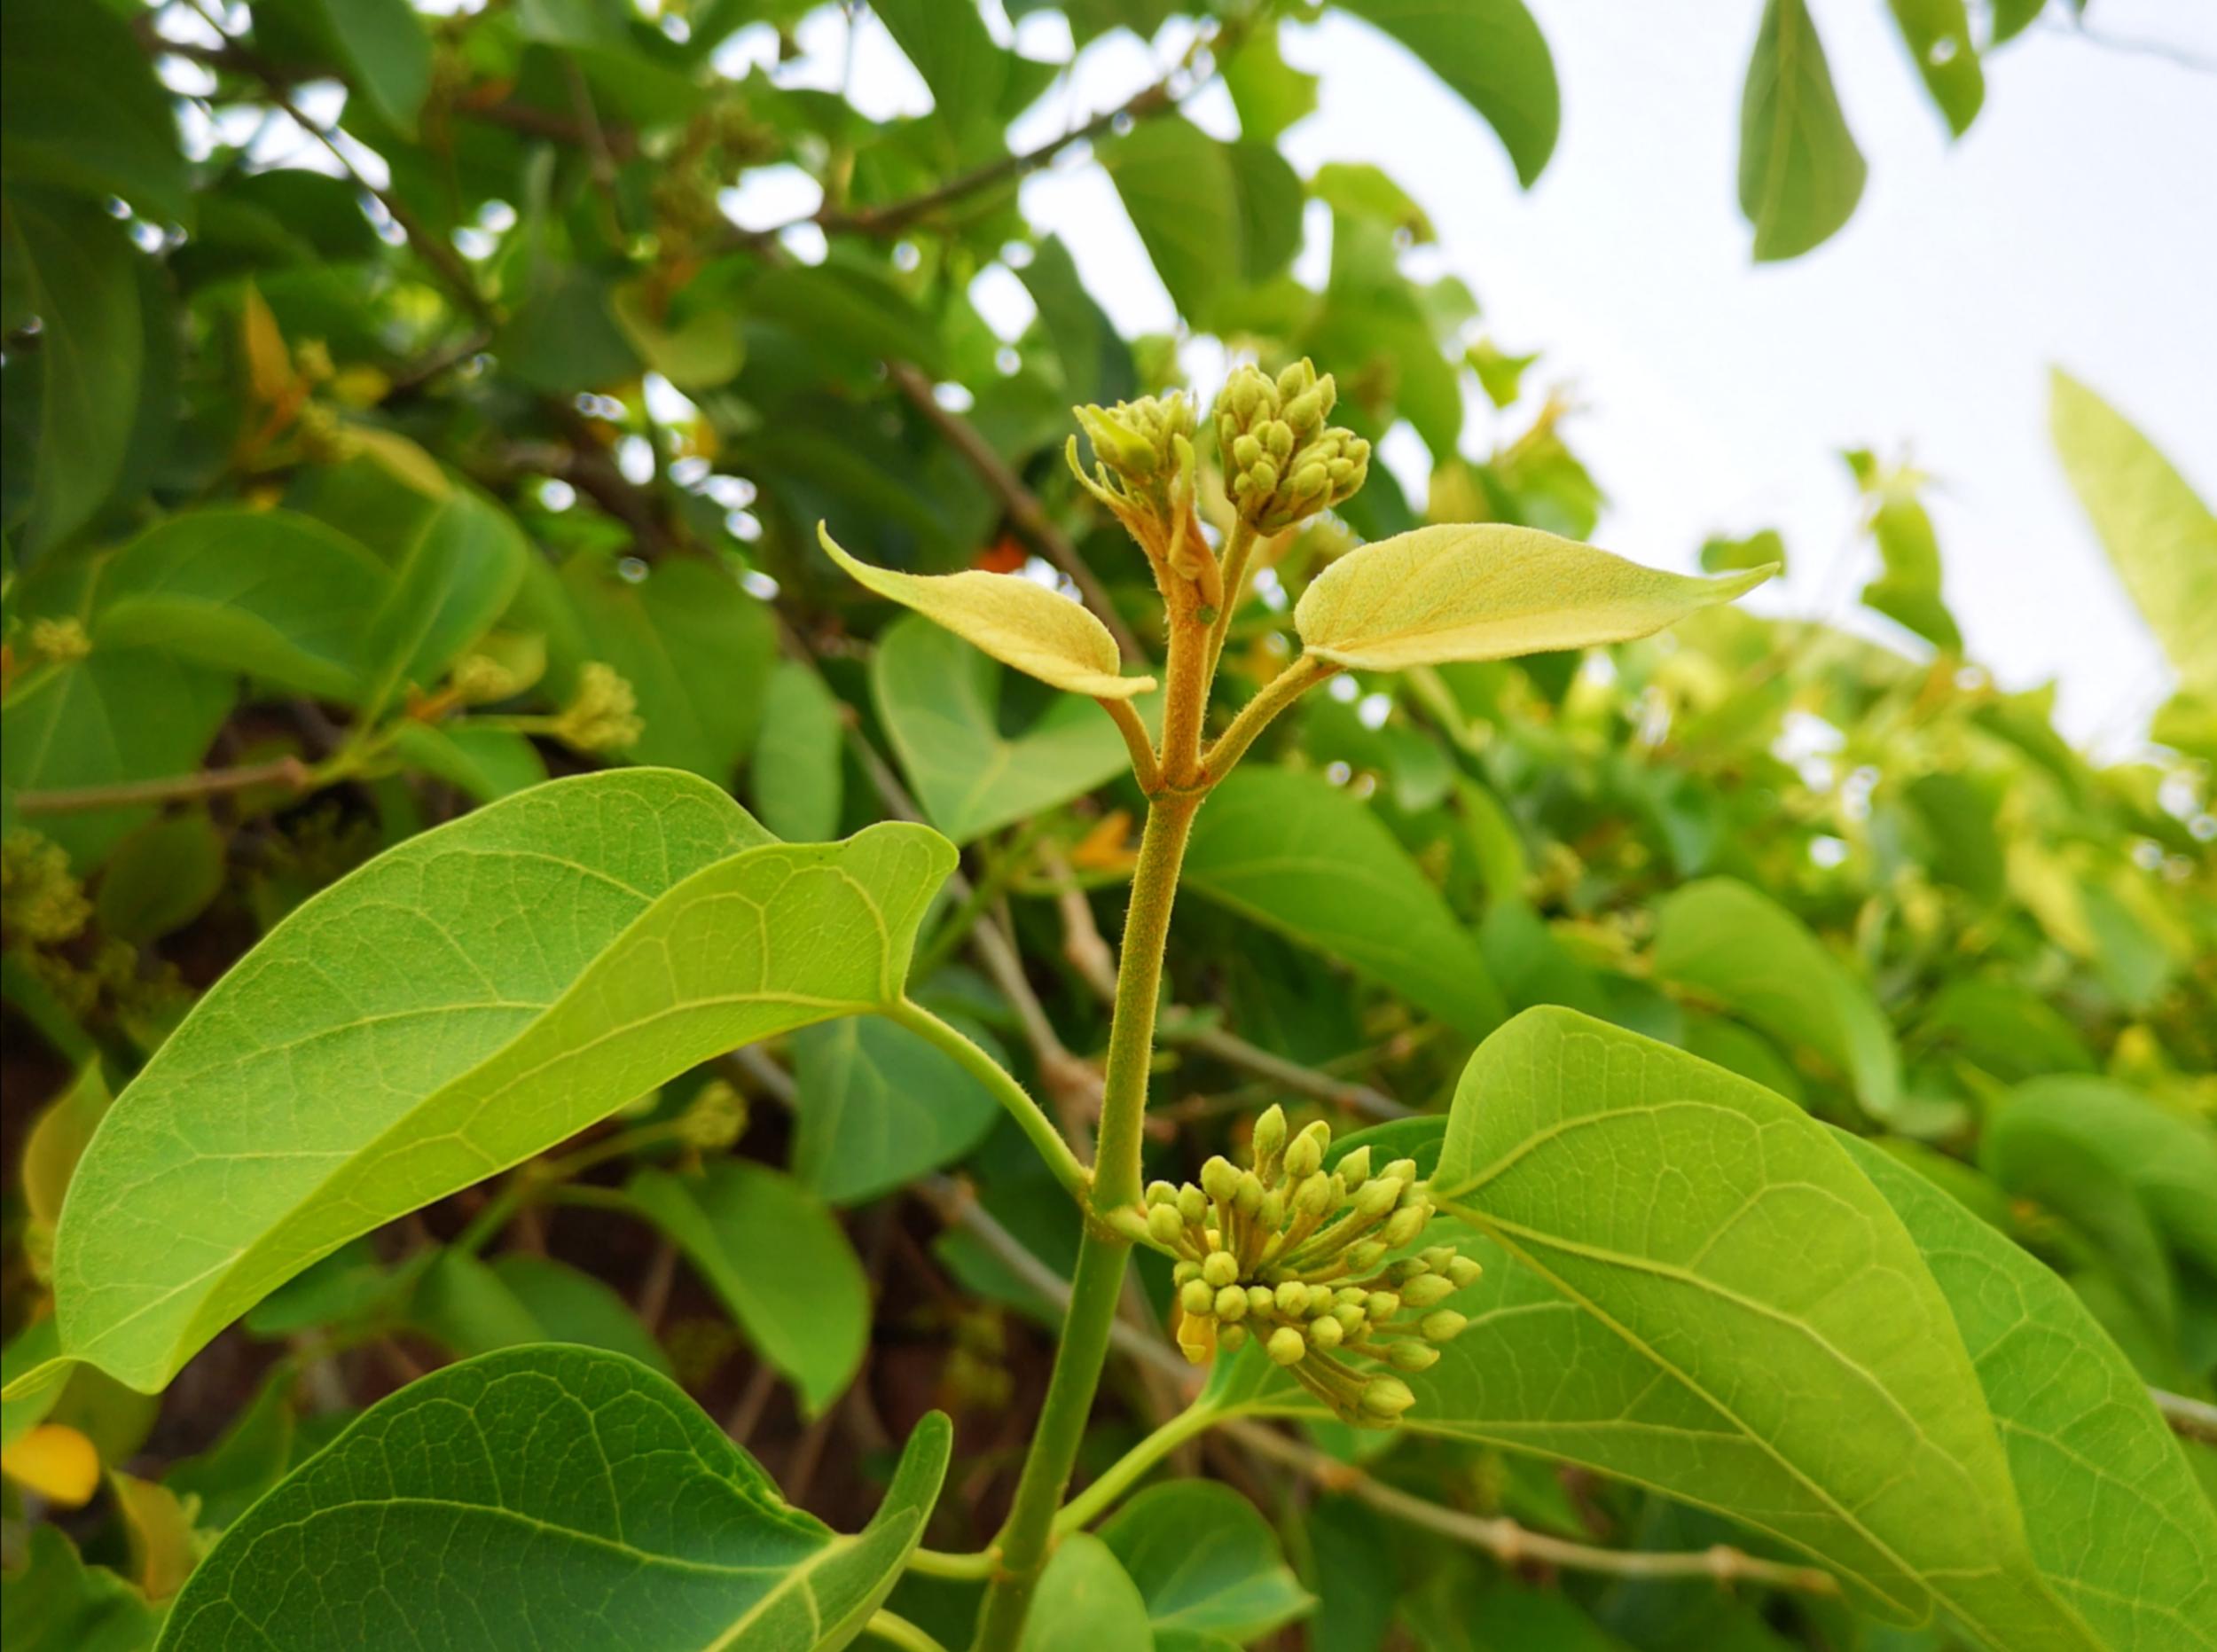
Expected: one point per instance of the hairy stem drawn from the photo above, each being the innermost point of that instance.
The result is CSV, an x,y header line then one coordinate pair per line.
x,y
1027,1536
1281,692
1238,552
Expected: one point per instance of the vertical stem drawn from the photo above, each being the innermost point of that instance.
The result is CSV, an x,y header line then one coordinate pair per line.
x,y
1028,1535
1237,553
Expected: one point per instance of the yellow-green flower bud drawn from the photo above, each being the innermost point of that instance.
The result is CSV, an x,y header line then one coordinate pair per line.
x,y
1443,1326
1231,1338
1350,1317
1327,1332
1231,1304
1373,1199
717,1117
1270,1134
1165,1225
1193,1206
1249,1199
1382,1305
1291,1298
1315,1196
1220,1180
1427,1290
603,716
1287,1346
1196,1298
1185,1273
1272,1212
1219,1268
1354,1169
1162,1193
1364,1256
1262,1300
1403,1171
1386,1398
1464,1273
1405,1356
1405,1225
1320,1300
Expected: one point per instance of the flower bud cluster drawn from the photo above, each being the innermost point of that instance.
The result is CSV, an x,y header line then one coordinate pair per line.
x,y
1281,462
1294,1257
603,716
716,1118
1144,473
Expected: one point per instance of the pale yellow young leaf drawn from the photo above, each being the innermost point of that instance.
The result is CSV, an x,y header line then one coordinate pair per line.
x,y
1490,591
1006,616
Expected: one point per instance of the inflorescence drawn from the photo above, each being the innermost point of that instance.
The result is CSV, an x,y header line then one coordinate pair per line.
x,y
1296,1258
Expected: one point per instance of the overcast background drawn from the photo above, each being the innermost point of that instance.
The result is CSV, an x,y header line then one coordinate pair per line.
x,y
2075,223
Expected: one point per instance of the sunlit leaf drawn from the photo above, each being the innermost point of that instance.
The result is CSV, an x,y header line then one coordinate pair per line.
x,y
1489,592
510,978
1016,620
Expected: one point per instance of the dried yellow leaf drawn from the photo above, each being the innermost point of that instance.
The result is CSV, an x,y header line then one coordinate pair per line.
x,y
1020,623
1491,591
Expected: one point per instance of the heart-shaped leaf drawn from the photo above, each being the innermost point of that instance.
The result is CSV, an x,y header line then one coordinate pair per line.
x,y
939,700
1486,591
463,1002
1208,1564
2115,1518
542,1498
1731,1314
1011,618
1085,1603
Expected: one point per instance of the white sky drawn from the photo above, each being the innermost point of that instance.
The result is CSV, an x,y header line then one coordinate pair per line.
x,y
2076,223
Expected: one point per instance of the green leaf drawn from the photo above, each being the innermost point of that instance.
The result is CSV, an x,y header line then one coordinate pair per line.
x,y
117,715
777,1259
2162,538
1490,591
73,267
1207,1563
57,1141
510,978
1017,621
56,1604
877,1106
1907,589
461,1305
951,49
1764,548
2116,1519
1750,1328
253,1454
695,350
1269,196
384,45
1297,854
1800,173
2169,1158
1492,54
696,649
572,1306
1735,945
1967,850
485,765
1096,362
797,779
548,1499
276,595
161,878
1085,1603
80,109
1178,185
1268,94
937,698
1938,35
457,579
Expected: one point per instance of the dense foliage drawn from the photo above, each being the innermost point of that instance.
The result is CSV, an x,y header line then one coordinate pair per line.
x,y
552,1023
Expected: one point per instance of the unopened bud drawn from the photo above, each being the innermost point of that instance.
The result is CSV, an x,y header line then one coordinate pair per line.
x,y
1382,1305
1407,1355
1373,1199
1161,1193
1464,1273
1193,1206
1196,1298
1427,1290
1354,1169
1443,1326
1232,1338
1292,1296
1315,1196
1327,1332
1231,1304
1219,1268
1220,1180
1386,1398
1287,1346
717,1117
1270,1134
1249,1198
1165,1225
1261,1299
1366,1255
1405,1225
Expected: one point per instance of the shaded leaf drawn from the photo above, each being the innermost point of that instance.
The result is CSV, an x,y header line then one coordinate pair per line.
x,y
57,1603
1297,855
545,1498
777,1259
1085,1603
1492,55
796,781
1206,1562
1800,173
83,111
877,1106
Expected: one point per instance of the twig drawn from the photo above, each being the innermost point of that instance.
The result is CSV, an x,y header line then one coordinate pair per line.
x,y
2193,1419
1022,505
1515,1545
169,788
1234,1051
